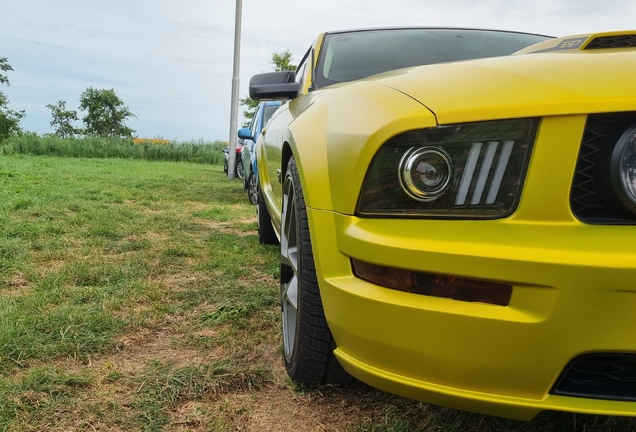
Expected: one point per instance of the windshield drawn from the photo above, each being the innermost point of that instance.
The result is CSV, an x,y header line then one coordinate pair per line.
x,y
359,54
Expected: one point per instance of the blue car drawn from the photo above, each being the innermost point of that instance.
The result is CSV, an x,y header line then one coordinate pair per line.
x,y
250,134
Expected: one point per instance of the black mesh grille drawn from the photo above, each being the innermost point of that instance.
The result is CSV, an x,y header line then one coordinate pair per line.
x,y
599,376
592,198
622,41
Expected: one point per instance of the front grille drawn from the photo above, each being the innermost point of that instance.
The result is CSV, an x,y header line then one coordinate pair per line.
x,y
619,41
599,376
592,198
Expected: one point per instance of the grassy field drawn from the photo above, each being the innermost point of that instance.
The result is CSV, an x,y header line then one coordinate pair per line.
x,y
97,147
134,295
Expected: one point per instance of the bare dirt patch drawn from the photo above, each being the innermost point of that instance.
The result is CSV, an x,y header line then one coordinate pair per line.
x,y
228,227
176,282
18,281
136,350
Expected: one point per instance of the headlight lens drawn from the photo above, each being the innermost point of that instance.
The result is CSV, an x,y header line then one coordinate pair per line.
x,y
424,173
623,168
469,170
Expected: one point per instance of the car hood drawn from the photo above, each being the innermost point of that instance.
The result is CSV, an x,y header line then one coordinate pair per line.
x,y
545,82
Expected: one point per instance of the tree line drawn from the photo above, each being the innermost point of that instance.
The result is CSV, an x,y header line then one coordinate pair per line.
x,y
105,114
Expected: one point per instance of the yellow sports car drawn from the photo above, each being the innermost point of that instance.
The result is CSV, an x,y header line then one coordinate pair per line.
x,y
456,211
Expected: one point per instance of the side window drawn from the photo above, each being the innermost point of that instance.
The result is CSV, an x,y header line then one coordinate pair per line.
x,y
302,72
268,111
255,122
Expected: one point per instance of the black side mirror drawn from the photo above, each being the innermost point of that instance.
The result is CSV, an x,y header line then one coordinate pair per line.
x,y
274,86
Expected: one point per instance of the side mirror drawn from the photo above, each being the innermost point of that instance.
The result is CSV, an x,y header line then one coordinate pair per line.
x,y
245,133
274,86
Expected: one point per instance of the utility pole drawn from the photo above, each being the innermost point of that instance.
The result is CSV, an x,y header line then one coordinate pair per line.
x,y
231,163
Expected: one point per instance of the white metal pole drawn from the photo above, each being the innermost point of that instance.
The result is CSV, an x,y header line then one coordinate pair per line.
x,y
231,164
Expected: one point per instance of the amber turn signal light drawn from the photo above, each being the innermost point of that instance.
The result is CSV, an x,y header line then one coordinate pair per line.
x,y
434,285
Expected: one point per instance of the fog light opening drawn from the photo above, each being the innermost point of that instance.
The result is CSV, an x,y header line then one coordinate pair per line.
x,y
434,285
623,168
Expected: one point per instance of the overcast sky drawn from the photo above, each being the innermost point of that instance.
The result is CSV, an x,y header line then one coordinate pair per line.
x,y
170,61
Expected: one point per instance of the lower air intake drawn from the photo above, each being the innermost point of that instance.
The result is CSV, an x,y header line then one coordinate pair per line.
x,y
592,198
599,376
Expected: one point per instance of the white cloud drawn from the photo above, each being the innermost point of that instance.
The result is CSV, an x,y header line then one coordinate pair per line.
x,y
171,60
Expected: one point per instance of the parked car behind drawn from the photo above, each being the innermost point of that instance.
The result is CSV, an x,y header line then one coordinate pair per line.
x,y
239,171
250,135
461,230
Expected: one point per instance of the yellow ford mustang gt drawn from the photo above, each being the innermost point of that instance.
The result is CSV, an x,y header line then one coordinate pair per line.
x,y
456,211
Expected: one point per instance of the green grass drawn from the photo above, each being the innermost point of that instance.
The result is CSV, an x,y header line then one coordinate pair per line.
x,y
135,295
93,250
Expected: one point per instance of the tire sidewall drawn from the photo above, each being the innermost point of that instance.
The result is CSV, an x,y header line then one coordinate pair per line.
x,y
311,360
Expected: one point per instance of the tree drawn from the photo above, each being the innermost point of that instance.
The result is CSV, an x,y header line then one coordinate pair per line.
x,y
105,114
251,105
9,119
62,120
5,67
281,62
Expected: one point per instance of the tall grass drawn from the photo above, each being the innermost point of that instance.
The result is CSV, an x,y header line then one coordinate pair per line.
x,y
95,147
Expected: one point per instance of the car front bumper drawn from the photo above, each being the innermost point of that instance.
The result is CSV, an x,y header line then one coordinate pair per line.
x,y
573,293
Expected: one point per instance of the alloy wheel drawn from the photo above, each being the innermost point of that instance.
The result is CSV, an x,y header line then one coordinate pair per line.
x,y
289,267
252,189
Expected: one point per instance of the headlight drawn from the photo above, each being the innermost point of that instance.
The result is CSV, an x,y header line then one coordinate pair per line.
x,y
623,168
469,170
424,173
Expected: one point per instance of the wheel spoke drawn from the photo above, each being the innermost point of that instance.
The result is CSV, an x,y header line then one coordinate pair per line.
x,y
289,236
291,294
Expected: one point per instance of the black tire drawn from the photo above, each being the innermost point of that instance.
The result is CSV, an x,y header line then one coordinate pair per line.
x,y
266,233
252,189
307,341
239,169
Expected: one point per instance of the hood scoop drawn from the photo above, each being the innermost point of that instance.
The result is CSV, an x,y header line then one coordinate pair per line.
x,y
612,41
585,42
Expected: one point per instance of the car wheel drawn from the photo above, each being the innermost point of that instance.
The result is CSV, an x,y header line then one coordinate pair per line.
x,y
225,167
266,233
252,190
307,341
239,169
